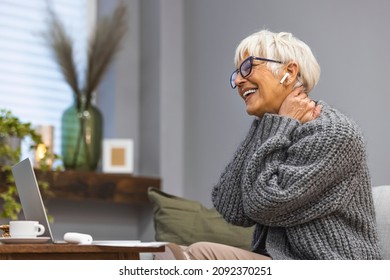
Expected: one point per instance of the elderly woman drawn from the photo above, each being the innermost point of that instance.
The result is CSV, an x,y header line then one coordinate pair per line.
x,y
300,175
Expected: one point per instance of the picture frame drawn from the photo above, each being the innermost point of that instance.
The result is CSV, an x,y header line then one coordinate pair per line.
x,y
118,156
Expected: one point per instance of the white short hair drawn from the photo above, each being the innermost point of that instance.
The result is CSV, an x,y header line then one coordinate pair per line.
x,y
284,47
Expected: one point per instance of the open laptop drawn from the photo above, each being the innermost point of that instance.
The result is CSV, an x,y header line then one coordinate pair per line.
x,y
32,203
30,195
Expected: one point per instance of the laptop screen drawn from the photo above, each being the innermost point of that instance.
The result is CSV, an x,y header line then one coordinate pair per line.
x,y
30,195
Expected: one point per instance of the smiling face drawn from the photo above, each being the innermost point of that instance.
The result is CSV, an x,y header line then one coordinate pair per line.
x,y
261,90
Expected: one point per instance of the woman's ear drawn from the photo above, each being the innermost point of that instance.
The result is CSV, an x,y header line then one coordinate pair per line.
x,y
292,69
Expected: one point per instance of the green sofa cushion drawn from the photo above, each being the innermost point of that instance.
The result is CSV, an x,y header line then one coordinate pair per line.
x,y
184,222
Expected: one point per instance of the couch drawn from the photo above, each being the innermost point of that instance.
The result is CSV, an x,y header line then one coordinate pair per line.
x,y
184,221
381,195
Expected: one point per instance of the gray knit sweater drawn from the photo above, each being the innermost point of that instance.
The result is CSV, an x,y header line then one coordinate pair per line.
x,y
306,187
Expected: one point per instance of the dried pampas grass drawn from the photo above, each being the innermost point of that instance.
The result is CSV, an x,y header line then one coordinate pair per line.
x,y
103,45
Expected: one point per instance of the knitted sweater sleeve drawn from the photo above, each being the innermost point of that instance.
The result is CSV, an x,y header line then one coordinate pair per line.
x,y
291,176
228,190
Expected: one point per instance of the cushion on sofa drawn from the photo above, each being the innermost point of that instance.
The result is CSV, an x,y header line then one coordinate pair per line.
x,y
184,222
381,195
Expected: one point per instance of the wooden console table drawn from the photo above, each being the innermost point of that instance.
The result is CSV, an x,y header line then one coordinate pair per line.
x,y
68,251
116,188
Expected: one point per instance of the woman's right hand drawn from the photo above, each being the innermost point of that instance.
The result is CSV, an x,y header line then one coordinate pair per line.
x,y
299,106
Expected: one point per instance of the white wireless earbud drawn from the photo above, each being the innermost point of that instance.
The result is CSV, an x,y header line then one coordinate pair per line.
x,y
284,78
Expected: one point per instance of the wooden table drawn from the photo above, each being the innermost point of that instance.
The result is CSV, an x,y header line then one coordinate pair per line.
x,y
66,251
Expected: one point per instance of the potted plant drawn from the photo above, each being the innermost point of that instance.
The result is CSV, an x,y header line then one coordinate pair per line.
x,y
12,132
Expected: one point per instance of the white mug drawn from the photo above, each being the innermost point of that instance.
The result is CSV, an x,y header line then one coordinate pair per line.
x,y
25,229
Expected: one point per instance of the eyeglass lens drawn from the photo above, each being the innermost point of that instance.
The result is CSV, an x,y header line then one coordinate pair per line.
x,y
233,78
245,69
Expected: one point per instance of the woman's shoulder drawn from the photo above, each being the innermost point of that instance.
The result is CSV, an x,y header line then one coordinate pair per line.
x,y
333,117
332,123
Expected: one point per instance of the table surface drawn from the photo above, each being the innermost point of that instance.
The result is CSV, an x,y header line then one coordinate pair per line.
x,y
69,251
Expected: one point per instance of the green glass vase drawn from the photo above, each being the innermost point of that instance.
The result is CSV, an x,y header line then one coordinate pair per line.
x,y
81,138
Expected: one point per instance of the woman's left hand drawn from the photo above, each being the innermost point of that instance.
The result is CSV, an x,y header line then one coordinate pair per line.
x,y
299,106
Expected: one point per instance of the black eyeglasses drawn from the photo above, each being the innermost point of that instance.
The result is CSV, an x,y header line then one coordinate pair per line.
x,y
246,68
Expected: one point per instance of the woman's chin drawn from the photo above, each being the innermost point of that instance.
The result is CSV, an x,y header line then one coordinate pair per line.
x,y
250,110
253,112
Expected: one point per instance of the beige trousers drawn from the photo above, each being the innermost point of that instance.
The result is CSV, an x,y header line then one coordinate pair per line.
x,y
207,251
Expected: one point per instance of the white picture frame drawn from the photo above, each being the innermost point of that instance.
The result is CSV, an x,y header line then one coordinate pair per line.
x,y
118,156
